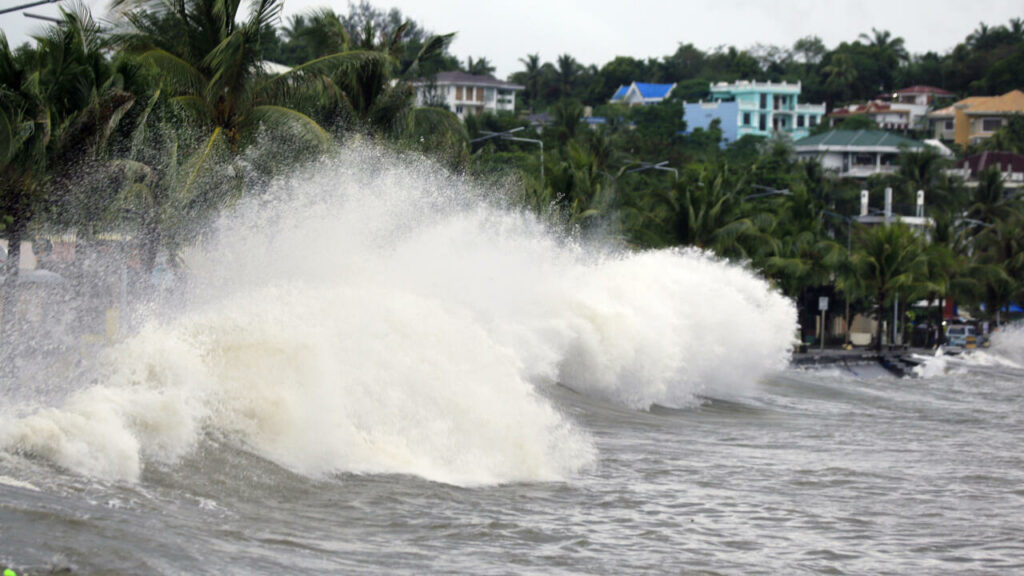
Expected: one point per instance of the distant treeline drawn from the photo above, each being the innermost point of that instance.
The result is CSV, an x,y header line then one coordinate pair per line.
x,y
989,61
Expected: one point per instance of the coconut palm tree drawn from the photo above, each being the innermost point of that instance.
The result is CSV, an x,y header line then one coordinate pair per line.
x,y
841,73
890,259
212,65
568,72
58,101
533,68
480,67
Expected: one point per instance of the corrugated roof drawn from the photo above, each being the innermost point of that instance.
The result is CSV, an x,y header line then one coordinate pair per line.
x,y
1012,101
856,138
653,90
465,78
1004,160
922,89
620,93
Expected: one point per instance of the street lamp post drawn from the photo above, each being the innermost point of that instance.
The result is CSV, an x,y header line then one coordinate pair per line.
x,y
768,191
507,135
663,165
846,297
29,5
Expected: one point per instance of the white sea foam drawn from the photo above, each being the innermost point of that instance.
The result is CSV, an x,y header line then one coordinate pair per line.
x,y
1008,344
375,316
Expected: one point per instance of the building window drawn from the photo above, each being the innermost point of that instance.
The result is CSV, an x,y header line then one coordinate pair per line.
x,y
458,92
800,121
991,124
812,121
762,124
746,118
458,110
479,94
764,102
949,124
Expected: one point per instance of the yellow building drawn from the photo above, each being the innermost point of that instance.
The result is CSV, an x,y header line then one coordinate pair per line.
x,y
976,118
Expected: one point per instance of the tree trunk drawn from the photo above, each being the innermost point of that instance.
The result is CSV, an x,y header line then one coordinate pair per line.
x,y
9,302
150,244
879,317
940,338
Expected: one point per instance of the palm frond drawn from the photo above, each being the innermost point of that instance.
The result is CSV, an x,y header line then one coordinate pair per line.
x,y
178,71
277,117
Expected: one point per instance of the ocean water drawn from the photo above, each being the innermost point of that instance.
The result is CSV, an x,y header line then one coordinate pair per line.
x,y
376,368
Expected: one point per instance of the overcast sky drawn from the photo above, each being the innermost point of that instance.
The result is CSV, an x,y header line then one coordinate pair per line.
x,y
595,31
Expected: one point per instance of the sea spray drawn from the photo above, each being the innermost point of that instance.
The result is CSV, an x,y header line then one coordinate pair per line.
x,y
374,315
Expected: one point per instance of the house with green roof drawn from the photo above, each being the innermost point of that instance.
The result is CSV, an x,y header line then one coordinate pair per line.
x,y
856,153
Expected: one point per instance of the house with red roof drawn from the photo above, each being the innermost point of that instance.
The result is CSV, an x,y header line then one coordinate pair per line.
x,y
1009,165
919,94
896,116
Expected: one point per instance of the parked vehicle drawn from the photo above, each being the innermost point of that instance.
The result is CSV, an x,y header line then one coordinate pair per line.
x,y
965,336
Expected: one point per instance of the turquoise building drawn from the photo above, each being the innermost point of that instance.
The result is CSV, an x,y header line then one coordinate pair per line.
x,y
762,109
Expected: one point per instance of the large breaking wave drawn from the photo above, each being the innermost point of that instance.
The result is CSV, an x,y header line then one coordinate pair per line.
x,y
374,315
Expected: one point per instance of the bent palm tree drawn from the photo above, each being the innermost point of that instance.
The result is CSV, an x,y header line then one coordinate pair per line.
x,y
212,66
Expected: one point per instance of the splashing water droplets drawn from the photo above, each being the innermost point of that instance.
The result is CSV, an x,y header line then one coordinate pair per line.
x,y
372,315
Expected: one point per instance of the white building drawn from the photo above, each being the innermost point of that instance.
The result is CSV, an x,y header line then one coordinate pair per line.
x,y
856,153
887,116
466,94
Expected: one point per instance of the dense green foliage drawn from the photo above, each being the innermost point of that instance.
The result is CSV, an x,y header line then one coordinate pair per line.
x,y
148,129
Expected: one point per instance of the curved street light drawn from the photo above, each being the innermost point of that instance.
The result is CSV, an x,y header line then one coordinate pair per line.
x,y
663,165
769,191
507,135
29,5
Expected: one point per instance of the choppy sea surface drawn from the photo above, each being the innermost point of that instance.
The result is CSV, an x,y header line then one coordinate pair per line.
x,y
377,369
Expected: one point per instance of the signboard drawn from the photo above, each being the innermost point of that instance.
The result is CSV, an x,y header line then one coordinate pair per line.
x,y
823,303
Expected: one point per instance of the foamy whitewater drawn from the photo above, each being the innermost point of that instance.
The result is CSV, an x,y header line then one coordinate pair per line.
x,y
374,368
367,317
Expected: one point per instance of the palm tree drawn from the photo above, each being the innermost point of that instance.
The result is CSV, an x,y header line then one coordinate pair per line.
x,y
705,208
479,67
313,35
579,189
890,259
979,38
58,102
212,66
884,42
1016,27
533,67
568,70
841,73
1001,246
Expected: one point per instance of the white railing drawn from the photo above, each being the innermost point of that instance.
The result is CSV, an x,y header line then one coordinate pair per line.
x,y
865,171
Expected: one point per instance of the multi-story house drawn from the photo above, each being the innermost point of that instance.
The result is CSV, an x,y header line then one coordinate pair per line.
x,y
1009,165
974,119
897,116
466,94
920,95
757,108
856,153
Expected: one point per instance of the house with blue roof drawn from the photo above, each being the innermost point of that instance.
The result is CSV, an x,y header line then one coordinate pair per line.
x,y
642,93
757,108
